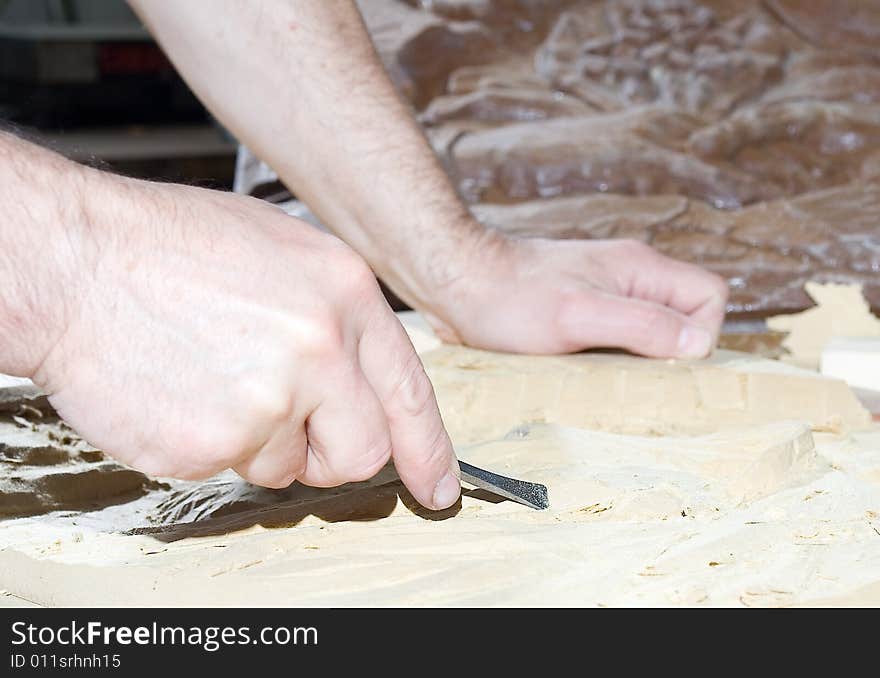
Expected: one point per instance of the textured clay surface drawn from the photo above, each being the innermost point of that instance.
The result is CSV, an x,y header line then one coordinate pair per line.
x,y
744,136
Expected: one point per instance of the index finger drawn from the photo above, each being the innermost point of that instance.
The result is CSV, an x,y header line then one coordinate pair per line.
x,y
682,286
421,449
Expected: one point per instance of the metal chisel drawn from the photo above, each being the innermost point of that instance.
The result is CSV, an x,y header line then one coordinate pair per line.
x,y
530,494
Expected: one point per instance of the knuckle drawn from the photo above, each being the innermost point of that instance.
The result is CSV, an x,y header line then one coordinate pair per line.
x,y
439,450
352,275
658,331
264,399
369,462
319,336
208,449
413,395
273,468
278,479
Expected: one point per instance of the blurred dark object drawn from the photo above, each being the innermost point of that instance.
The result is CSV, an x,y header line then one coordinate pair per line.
x,y
86,78
73,63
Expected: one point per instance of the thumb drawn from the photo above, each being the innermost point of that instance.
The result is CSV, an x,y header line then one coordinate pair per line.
x,y
422,452
602,320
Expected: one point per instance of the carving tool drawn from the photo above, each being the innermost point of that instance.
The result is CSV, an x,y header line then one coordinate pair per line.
x,y
520,491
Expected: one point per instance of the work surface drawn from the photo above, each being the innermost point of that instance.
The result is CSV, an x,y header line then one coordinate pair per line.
x,y
733,481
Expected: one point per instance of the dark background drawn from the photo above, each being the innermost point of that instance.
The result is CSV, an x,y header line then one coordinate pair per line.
x,y
85,78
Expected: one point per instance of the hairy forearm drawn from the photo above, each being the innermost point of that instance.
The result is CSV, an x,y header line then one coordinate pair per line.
x,y
42,250
299,82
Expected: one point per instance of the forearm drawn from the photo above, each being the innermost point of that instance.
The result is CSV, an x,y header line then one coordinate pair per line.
x,y
42,250
300,84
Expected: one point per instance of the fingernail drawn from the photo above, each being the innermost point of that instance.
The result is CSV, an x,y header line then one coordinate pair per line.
x,y
446,491
694,342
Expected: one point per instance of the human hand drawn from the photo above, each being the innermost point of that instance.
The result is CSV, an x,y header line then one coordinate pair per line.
x,y
558,296
211,331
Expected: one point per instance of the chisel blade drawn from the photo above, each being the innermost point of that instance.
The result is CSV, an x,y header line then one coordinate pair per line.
x,y
530,494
